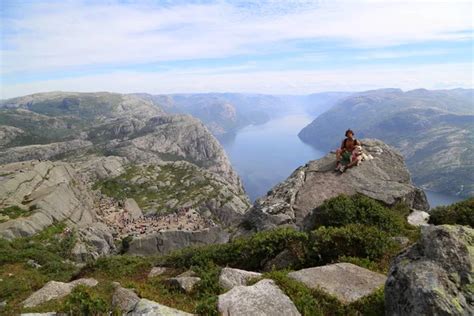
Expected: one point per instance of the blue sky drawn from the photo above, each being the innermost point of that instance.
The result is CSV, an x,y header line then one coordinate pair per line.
x,y
290,47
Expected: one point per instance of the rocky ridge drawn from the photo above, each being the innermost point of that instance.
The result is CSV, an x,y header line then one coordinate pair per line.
x,y
294,201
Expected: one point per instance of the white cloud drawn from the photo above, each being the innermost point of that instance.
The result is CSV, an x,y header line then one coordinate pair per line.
x,y
61,36
275,82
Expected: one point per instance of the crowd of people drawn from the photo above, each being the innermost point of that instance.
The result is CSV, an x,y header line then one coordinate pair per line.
x,y
124,224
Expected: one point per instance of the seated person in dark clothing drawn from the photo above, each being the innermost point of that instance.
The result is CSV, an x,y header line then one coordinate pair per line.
x,y
344,153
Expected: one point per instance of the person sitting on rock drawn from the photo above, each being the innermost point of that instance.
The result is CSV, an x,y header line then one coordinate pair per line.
x,y
344,153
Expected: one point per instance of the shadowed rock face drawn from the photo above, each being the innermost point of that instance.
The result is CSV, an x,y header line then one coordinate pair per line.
x,y
294,201
434,276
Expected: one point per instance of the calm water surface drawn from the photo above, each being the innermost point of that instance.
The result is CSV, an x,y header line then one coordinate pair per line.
x,y
267,154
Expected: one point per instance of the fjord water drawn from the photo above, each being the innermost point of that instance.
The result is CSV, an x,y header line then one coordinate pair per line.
x,y
267,154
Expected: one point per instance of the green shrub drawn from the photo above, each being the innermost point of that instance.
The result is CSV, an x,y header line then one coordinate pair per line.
x,y
13,212
327,244
358,209
208,289
248,253
48,248
120,266
461,213
83,301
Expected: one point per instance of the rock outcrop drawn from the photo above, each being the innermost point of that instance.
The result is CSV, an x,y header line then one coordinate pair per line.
x,y
54,290
184,282
166,241
124,299
8,133
434,276
48,191
149,308
42,152
230,277
294,201
345,281
263,298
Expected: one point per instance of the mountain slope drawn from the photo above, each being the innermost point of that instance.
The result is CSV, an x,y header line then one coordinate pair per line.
x,y
434,130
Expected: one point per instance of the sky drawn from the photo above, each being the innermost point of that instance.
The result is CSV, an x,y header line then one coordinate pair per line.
x,y
274,47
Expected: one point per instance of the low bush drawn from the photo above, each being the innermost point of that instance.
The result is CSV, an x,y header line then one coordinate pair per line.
x,y
84,301
120,266
461,213
48,248
248,253
327,244
358,209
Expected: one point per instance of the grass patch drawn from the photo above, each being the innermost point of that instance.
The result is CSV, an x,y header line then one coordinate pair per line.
x,y
12,212
48,248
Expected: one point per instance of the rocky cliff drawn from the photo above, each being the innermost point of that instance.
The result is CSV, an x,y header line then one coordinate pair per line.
x,y
295,201
84,158
433,130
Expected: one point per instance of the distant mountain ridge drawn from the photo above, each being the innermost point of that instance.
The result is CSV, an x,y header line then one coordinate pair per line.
x,y
434,130
226,113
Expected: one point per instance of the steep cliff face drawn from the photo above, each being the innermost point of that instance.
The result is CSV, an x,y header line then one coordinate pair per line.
x,y
62,125
294,201
84,159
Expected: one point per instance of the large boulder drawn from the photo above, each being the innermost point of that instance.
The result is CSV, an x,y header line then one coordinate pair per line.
x,y
294,201
166,241
230,277
434,276
55,290
262,298
345,281
149,308
124,299
184,282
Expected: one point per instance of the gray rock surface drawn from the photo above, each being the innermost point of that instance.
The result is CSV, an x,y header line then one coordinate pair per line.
x,y
98,167
261,299
434,276
8,133
132,208
345,281
294,201
43,152
50,191
167,241
230,277
124,299
185,282
54,290
149,308
156,271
